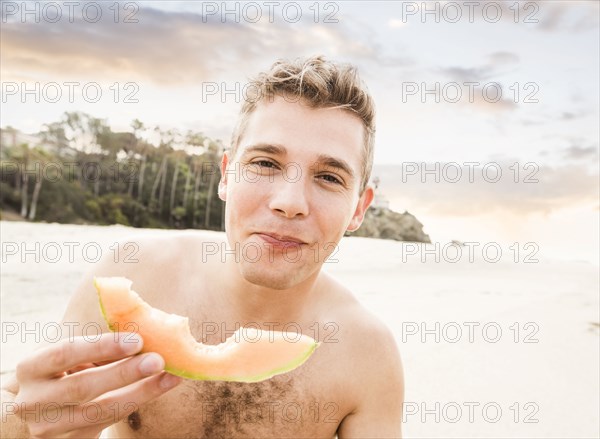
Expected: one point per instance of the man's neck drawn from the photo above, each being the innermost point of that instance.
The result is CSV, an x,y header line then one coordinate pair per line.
x,y
249,302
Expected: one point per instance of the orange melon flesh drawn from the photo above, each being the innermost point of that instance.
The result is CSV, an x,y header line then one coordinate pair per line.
x,y
249,355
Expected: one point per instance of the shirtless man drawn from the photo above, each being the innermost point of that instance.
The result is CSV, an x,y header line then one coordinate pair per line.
x,y
294,180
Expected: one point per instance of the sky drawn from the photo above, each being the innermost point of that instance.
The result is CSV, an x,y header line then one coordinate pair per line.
x,y
463,90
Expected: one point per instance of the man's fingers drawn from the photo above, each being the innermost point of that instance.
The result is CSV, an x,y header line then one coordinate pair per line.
x,y
88,365
89,384
128,399
67,354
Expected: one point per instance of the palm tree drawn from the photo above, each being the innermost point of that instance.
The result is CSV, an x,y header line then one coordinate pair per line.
x,y
157,181
42,158
24,159
186,188
139,148
214,149
195,143
173,188
196,195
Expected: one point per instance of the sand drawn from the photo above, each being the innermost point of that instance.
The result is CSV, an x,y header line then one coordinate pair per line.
x,y
517,350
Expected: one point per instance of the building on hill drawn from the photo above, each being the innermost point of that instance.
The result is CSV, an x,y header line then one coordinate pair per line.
x,y
379,200
11,138
383,223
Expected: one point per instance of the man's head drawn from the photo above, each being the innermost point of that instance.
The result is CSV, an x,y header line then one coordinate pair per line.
x,y
320,84
296,177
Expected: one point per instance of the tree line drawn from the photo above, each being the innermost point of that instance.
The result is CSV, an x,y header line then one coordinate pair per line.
x,y
77,170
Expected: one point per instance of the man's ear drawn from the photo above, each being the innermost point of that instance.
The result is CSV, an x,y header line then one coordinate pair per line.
x,y
223,182
361,208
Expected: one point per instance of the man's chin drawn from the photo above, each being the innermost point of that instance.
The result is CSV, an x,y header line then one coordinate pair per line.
x,y
270,277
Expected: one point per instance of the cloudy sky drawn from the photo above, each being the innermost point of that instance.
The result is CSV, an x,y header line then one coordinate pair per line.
x,y
462,90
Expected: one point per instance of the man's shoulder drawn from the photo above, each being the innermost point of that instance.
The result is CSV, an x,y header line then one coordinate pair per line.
x,y
162,254
168,243
368,349
370,334
155,262
364,329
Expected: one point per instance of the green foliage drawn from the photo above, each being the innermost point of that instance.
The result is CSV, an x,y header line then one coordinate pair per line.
x,y
9,196
384,223
93,209
90,174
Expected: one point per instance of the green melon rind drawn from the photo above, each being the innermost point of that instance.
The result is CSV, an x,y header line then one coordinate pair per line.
x,y
110,325
198,377
283,369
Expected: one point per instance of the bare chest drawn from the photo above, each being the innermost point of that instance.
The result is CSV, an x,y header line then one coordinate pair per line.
x,y
310,401
290,405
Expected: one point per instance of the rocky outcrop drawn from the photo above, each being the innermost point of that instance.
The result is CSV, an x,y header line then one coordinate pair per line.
x,y
384,223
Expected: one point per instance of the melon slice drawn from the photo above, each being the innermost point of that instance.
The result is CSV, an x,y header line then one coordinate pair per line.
x,y
249,355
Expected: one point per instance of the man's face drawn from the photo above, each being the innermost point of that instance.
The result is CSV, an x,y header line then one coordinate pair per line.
x,y
292,190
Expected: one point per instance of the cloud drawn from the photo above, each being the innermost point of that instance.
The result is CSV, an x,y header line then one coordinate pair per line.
x,y
573,115
490,70
503,57
168,47
567,115
546,16
567,15
150,49
486,77
533,189
395,23
467,74
575,152
551,118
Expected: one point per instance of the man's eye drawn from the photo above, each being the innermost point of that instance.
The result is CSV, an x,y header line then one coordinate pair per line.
x,y
264,163
330,179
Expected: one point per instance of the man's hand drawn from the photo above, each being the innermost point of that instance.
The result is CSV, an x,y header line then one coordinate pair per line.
x,y
76,388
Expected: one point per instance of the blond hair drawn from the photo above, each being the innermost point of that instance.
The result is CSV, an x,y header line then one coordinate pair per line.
x,y
321,84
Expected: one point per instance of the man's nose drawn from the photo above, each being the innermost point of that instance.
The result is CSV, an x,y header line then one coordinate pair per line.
x,y
290,198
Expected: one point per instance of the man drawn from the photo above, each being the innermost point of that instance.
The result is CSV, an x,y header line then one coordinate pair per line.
x,y
294,180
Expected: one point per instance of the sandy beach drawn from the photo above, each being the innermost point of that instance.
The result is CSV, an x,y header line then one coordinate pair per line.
x,y
490,349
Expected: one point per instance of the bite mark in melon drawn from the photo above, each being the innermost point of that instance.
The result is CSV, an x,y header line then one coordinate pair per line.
x,y
249,355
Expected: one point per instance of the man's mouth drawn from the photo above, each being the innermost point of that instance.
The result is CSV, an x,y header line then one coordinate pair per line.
x,y
280,240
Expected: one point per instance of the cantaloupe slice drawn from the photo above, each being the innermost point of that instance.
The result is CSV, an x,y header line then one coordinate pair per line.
x,y
249,355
